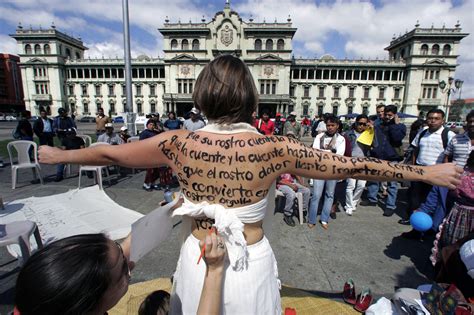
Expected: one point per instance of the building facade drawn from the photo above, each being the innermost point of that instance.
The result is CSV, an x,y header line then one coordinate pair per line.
x,y
56,74
11,89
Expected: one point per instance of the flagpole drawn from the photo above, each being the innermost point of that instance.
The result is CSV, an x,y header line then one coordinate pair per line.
x,y
130,115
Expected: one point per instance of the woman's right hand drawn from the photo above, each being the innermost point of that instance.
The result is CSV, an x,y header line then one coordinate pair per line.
x,y
215,252
444,174
49,155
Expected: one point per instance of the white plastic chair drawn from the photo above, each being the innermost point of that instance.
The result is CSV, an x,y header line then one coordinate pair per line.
x,y
299,198
19,232
133,139
87,140
96,169
22,148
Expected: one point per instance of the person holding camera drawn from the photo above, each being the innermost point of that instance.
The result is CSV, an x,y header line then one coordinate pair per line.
x,y
329,141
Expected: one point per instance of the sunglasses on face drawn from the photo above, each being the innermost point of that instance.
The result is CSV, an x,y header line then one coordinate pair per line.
x,y
125,266
362,124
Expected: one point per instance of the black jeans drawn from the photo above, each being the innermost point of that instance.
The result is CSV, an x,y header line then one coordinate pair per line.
x,y
47,138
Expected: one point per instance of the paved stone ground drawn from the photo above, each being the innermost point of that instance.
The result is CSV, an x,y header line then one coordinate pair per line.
x,y
366,246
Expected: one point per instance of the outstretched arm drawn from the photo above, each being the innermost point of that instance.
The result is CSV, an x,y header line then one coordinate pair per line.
x,y
312,163
147,153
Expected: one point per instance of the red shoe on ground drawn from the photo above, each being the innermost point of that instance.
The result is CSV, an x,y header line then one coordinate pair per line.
x,y
363,300
349,294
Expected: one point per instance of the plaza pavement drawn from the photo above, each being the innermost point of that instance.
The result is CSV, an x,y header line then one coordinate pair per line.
x,y
365,247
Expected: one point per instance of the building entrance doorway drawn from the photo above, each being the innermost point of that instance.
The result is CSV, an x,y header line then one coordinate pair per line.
x,y
183,109
270,108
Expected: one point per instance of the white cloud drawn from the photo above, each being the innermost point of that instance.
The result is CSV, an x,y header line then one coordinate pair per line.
x,y
366,29
8,45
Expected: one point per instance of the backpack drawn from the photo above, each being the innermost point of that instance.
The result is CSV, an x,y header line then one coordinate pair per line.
x,y
348,149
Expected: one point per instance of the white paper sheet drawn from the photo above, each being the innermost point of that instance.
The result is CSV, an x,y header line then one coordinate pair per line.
x,y
151,230
77,211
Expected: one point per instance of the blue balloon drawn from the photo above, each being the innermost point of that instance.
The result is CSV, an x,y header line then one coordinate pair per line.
x,y
421,221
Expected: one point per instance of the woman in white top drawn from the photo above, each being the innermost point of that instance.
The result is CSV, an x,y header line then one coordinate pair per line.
x,y
226,171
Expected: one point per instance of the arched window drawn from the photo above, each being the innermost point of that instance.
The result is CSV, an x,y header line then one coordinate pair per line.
x,y
78,55
37,49
435,49
174,44
28,49
280,44
424,49
184,44
365,109
269,44
258,44
47,49
196,44
446,50
68,53
402,53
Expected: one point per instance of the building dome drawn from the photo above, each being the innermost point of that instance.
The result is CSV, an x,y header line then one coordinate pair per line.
x,y
143,58
327,57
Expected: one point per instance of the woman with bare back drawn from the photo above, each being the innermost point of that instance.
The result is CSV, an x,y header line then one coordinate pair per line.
x,y
226,171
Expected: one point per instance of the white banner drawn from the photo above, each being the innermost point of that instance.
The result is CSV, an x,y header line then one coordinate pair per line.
x,y
77,211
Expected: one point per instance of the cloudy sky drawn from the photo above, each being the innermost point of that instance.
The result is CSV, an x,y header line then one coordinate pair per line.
x,y
351,29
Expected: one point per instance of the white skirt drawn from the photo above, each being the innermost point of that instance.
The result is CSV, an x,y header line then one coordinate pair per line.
x,y
255,290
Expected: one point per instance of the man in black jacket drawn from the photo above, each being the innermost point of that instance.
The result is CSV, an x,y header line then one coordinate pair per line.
x,y
62,123
388,141
43,128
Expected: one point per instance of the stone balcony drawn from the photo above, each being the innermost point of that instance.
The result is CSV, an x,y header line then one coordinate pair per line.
x,y
429,102
42,97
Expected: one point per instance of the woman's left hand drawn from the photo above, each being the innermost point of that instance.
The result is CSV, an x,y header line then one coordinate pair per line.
x,y
215,251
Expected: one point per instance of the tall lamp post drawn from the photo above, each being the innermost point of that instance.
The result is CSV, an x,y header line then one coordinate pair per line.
x,y
448,89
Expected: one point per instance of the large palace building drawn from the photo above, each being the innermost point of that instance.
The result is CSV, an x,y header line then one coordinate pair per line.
x,y
55,73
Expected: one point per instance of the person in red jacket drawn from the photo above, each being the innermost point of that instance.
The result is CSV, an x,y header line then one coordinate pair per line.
x,y
306,123
264,125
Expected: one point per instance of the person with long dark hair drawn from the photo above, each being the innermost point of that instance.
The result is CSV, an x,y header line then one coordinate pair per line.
x,y
88,274
227,172
81,274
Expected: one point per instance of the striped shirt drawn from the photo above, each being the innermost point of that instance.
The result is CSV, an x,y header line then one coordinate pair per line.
x,y
459,149
431,149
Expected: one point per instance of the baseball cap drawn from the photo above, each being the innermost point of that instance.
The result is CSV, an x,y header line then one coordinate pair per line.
x,y
195,110
278,115
293,113
61,110
123,128
109,125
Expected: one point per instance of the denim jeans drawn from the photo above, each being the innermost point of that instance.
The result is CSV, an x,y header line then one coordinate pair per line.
x,y
328,186
392,189
60,170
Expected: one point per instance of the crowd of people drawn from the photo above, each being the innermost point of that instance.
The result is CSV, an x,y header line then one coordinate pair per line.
x,y
226,169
